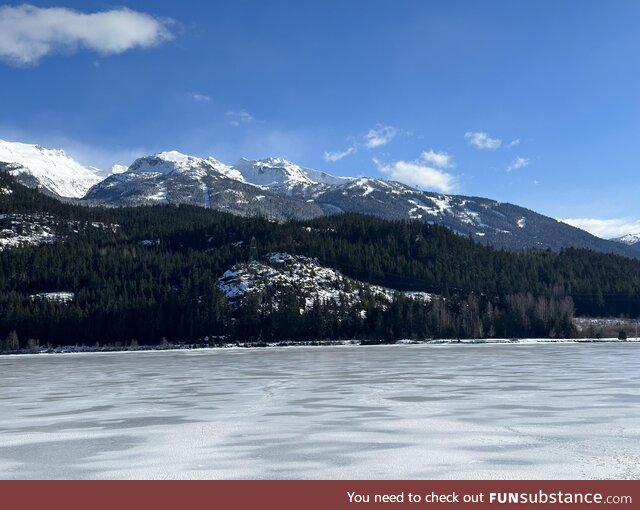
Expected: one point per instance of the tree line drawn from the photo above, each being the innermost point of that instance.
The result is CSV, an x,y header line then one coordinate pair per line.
x,y
126,289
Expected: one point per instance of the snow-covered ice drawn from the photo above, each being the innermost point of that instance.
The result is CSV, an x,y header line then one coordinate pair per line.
x,y
558,411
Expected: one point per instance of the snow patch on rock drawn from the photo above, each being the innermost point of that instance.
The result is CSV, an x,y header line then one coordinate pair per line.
x,y
58,296
281,272
23,229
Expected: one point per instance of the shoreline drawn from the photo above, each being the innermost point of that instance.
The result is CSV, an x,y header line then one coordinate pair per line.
x,y
74,349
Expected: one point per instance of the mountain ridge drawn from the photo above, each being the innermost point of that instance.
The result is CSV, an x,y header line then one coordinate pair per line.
x,y
280,190
631,240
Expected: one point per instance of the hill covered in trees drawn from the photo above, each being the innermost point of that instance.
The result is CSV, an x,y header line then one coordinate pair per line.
x,y
113,275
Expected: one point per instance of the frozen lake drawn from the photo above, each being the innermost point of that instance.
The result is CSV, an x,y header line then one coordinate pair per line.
x,y
405,411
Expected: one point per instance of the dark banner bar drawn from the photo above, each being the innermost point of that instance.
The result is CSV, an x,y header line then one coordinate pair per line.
x,y
325,495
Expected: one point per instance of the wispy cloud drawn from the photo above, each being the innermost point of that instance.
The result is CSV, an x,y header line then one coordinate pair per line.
x,y
517,163
427,171
513,143
202,98
337,156
481,140
607,229
29,33
240,117
379,136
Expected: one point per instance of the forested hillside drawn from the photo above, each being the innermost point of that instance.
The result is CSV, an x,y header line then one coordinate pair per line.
x,y
150,273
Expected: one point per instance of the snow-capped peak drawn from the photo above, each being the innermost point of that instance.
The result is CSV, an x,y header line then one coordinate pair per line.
x,y
274,172
628,239
176,157
165,163
174,161
51,169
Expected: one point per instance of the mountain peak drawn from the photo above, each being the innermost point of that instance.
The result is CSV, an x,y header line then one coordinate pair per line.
x,y
173,155
168,162
276,161
272,172
278,172
629,239
51,169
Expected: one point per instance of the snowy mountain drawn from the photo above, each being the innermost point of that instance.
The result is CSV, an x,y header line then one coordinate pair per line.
x,y
171,177
176,162
486,221
153,179
280,190
632,240
46,169
280,175
629,239
175,178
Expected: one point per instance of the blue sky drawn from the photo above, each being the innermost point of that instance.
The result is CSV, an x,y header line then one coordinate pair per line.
x,y
534,103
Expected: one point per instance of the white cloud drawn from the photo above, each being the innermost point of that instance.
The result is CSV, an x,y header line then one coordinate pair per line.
x,y
439,159
421,172
202,98
28,33
376,137
481,140
337,156
607,229
241,117
518,163
379,136
513,143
